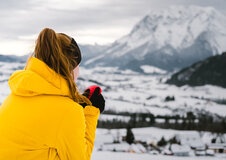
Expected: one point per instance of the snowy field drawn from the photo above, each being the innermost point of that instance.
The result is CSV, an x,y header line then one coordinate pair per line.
x,y
128,91
134,156
149,133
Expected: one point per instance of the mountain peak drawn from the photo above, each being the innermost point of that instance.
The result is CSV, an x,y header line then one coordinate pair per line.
x,y
179,26
170,39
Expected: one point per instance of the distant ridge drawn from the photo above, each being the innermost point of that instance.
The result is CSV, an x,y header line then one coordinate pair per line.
x,y
12,58
209,71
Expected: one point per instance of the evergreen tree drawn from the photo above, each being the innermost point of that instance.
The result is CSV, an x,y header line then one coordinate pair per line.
x,y
173,140
129,136
162,142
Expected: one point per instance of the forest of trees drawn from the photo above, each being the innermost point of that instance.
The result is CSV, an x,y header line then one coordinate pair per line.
x,y
200,122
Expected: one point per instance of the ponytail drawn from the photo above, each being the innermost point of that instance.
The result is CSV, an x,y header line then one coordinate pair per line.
x,y
50,48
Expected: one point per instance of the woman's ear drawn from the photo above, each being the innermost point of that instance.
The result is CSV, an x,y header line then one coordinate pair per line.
x,y
76,73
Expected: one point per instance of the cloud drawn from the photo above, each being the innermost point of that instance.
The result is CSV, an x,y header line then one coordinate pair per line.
x,y
90,21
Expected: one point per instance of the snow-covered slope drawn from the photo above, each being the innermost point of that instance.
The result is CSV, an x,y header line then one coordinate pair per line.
x,y
133,92
150,69
91,51
169,39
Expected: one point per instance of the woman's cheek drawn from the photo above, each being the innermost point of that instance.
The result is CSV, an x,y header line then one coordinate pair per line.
x,y
76,73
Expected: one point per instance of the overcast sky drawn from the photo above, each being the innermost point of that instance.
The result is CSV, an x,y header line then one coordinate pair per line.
x,y
89,22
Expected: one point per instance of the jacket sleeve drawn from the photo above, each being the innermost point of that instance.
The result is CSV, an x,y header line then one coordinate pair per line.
x,y
75,139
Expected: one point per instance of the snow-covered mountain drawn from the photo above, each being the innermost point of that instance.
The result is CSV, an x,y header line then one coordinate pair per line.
x,y
90,51
168,39
12,58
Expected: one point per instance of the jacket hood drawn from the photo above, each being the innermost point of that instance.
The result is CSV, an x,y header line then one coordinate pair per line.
x,y
37,78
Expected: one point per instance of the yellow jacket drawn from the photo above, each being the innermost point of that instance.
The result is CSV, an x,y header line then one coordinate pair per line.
x,y
38,120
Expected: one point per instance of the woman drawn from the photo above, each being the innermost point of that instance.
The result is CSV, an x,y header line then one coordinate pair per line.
x,y
42,117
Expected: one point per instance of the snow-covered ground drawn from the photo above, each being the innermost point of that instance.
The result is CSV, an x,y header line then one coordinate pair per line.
x,y
152,69
147,134
133,92
128,91
150,134
100,155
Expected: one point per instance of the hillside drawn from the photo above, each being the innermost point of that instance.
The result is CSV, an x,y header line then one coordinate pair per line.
x,y
209,71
